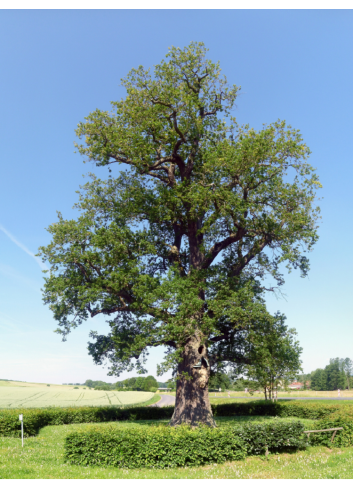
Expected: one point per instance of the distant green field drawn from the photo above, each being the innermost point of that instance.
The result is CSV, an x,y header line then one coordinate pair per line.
x,y
43,396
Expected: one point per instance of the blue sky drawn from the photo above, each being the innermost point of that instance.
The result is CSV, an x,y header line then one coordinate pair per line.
x,y
57,66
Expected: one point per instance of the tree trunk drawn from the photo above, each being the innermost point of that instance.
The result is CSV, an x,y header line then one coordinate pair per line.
x,y
272,390
192,404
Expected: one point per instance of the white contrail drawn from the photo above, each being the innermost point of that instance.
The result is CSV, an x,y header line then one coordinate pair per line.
x,y
22,246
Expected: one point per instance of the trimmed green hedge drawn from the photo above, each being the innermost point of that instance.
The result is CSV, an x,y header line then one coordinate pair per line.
x,y
274,436
178,447
34,419
326,416
343,438
304,410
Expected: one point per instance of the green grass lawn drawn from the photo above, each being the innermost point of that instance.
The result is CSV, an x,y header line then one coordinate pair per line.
x,y
322,401
250,399
42,458
221,398
231,400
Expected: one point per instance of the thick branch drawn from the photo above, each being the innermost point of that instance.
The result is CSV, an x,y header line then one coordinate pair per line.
x,y
107,310
255,250
220,246
163,343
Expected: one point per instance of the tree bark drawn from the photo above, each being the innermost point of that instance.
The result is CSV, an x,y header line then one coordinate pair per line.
x,y
273,391
192,404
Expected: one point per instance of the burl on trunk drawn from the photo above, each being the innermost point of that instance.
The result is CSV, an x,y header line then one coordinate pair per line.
x,y
192,404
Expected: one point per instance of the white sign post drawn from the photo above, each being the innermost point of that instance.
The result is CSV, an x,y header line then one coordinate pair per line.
x,y
21,419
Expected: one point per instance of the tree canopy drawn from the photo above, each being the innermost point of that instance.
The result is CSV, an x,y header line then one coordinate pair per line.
x,y
274,356
174,249
336,375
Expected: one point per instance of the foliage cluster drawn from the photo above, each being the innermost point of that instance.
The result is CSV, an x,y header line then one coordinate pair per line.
x,y
171,384
343,438
274,357
336,375
146,384
178,447
99,385
152,447
139,383
305,410
219,380
277,435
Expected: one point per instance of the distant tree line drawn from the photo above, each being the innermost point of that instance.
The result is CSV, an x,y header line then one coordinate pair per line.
x,y
338,374
146,384
11,380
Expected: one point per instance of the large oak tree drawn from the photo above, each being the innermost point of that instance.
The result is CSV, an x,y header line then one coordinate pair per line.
x,y
174,250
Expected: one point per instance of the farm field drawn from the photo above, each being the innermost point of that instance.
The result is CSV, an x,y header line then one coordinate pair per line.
x,y
41,396
13,383
42,458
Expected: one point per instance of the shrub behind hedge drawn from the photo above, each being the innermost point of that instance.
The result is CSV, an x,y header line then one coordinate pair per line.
x,y
282,409
34,419
178,447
